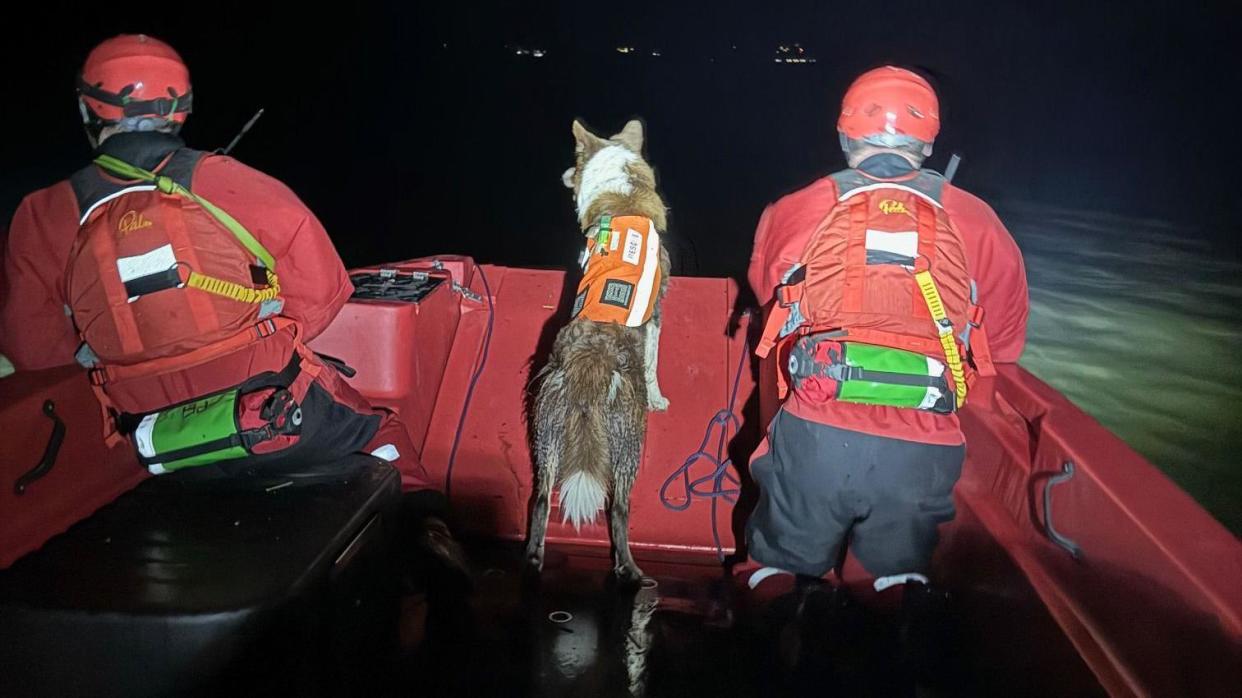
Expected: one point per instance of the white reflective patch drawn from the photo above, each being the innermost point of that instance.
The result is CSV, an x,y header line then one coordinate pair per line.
x,y
905,244
933,395
633,247
142,436
930,398
616,240
114,195
646,282
893,580
387,452
157,260
757,577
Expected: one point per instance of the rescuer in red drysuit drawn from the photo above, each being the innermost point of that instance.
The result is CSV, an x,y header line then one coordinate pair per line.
x,y
877,478
134,94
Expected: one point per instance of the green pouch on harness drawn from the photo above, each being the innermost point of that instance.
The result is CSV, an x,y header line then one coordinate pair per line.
x,y
259,417
199,432
870,375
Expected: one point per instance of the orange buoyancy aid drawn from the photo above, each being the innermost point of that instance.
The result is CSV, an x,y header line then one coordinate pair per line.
x,y
621,272
885,267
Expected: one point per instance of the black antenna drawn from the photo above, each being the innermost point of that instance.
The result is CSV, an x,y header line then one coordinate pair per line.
x,y
951,170
244,130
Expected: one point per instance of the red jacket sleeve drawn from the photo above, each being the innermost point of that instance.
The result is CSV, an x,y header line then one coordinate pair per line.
x,y
997,267
313,280
782,234
35,331
757,273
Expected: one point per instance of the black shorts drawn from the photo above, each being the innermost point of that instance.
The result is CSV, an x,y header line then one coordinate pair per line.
x,y
821,487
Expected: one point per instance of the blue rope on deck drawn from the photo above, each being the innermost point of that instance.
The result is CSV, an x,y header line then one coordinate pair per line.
x,y
725,420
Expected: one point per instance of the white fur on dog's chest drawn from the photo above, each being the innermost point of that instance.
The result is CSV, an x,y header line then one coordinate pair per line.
x,y
605,173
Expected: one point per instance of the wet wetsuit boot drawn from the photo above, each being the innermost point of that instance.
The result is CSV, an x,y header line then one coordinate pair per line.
x,y
928,636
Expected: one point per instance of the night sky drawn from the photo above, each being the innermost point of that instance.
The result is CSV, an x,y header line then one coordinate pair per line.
x,y
411,128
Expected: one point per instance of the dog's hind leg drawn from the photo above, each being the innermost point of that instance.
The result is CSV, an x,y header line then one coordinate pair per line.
x,y
625,454
549,427
651,355
539,512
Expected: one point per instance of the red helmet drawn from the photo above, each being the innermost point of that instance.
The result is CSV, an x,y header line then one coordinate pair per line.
x,y
893,101
134,76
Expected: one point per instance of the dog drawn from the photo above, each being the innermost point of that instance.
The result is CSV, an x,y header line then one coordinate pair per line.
x,y
589,416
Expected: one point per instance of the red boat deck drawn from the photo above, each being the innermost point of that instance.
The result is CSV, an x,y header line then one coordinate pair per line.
x,y
1157,575
1151,607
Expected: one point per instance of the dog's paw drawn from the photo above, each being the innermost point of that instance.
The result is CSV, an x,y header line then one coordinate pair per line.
x,y
534,560
628,576
657,402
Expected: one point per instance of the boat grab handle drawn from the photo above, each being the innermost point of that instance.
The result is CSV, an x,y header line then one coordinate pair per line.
x,y
1067,472
49,453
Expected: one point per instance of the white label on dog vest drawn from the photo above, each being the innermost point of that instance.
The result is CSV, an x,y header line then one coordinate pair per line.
x,y
153,262
633,246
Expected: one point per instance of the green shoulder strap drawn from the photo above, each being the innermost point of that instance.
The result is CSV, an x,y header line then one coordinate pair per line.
x,y
125,170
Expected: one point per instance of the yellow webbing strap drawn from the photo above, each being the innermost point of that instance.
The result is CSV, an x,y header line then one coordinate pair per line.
x,y
237,292
945,328
209,284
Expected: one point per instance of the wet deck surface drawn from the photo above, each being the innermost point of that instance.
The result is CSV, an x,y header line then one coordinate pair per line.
x,y
570,633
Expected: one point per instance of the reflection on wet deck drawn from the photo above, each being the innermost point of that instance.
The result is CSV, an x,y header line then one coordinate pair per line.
x,y
688,633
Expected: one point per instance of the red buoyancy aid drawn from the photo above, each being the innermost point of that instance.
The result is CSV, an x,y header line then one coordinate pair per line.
x,y
885,267
158,272
160,279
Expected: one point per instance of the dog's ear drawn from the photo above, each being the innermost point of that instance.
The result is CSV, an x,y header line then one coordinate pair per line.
x,y
568,177
631,136
587,141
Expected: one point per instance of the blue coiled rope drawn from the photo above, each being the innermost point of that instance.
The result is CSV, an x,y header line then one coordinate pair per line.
x,y
720,475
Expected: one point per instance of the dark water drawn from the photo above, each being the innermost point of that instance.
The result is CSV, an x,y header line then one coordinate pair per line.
x,y
1139,323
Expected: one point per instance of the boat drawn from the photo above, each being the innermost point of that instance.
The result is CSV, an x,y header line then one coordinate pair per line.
x,y
1076,567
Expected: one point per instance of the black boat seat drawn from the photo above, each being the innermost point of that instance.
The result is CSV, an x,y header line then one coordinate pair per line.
x,y
251,585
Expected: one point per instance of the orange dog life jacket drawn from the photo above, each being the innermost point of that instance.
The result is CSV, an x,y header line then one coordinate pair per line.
x,y
621,272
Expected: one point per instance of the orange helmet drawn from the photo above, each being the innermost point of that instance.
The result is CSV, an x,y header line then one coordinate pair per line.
x,y
133,77
890,101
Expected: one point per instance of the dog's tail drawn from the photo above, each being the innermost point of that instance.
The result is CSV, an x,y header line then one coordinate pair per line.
x,y
585,391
